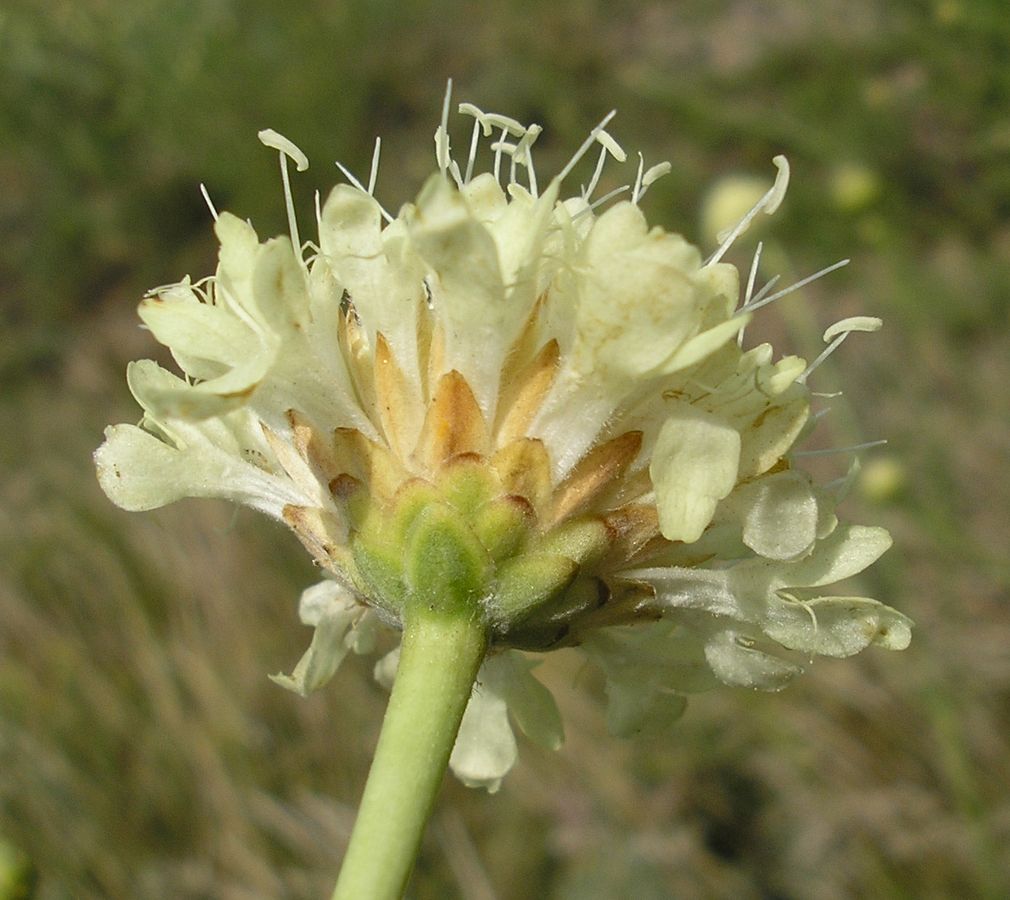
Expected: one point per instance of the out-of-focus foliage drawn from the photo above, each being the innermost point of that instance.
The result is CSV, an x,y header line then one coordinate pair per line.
x,y
144,753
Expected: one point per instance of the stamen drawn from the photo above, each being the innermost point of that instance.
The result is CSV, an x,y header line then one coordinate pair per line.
x,y
602,200
208,201
750,288
753,274
638,178
512,126
586,144
837,333
612,147
774,280
642,182
531,171
468,109
442,156
472,155
374,173
832,451
840,487
497,147
758,302
354,181
524,149
287,149
867,324
652,175
490,121
595,180
768,203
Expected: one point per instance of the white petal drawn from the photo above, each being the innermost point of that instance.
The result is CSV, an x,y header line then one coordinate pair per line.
x,y
638,300
780,515
467,287
175,398
638,710
768,437
327,597
384,671
711,591
836,626
530,703
848,551
236,261
279,288
385,292
139,471
485,747
191,328
662,654
701,345
328,648
694,465
736,661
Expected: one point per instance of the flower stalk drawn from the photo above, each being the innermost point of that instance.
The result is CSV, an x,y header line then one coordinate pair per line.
x,y
440,654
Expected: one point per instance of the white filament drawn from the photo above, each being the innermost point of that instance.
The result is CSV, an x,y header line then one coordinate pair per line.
x,y
767,204
287,150
208,201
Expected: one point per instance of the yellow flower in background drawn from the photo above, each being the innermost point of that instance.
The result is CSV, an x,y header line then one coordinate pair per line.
x,y
531,410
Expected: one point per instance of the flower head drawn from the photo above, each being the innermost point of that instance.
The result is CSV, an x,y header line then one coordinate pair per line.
x,y
531,407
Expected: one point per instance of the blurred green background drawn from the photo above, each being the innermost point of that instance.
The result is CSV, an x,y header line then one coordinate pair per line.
x,y
144,753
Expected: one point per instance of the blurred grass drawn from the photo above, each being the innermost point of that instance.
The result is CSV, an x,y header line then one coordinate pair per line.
x,y
143,753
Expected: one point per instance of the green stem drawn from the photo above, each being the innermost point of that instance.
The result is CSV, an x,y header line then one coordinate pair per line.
x,y
439,658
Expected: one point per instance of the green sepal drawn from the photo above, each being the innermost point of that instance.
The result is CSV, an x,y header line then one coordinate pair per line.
x,y
502,525
527,582
466,483
445,568
584,594
580,540
380,569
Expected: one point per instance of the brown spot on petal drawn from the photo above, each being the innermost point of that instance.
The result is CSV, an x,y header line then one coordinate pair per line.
x,y
453,425
594,474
